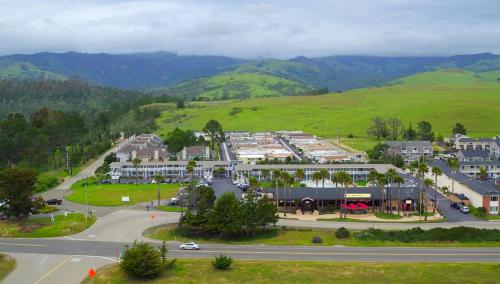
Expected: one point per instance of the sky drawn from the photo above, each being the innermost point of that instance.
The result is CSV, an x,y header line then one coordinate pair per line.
x,y
252,29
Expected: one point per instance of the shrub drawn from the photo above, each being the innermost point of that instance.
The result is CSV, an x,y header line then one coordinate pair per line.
x,y
350,135
481,212
222,262
316,240
141,261
342,233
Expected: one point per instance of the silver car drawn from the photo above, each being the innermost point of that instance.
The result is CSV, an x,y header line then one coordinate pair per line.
x,y
190,246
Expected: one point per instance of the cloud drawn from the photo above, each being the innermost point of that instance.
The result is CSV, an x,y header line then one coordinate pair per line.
x,y
249,29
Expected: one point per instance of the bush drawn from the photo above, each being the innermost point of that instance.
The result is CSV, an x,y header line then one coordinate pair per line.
x,y
316,240
141,261
222,262
350,135
342,233
480,212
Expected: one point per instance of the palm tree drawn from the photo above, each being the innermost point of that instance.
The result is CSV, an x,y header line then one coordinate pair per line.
x,y
454,165
136,162
158,179
300,175
422,170
265,173
285,177
277,178
436,171
291,181
390,175
316,176
428,182
382,182
483,173
399,180
190,170
345,180
323,174
373,178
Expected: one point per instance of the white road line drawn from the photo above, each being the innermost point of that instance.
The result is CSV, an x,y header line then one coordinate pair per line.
x,y
25,245
295,154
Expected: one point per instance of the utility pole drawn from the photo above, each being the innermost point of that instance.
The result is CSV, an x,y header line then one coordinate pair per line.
x,y
86,200
338,137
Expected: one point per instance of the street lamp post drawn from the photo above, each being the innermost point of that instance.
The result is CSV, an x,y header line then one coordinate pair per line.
x,y
86,200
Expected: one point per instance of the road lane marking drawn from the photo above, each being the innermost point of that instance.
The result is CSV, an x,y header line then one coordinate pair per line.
x,y
343,253
53,269
26,245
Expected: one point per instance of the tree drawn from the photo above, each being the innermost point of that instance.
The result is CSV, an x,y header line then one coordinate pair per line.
x,y
482,174
180,104
323,174
176,140
158,179
436,171
409,134
265,173
395,125
345,180
373,178
316,177
16,187
390,176
378,128
226,218
214,130
277,178
300,175
459,129
378,153
267,212
454,165
141,261
399,180
425,131
422,170
428,183
136,162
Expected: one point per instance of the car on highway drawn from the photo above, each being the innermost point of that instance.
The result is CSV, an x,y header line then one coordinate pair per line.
x,y
190,246
54,201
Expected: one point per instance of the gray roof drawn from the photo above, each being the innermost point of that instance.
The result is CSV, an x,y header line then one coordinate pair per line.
x,y
480,163
481,187
378,167
338,193
409,143
474,153
173,163
476,140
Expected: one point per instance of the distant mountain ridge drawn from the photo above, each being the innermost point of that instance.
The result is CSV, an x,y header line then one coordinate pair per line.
x,y
160,69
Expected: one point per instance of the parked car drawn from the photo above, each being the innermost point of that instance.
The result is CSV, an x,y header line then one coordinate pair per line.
x,y
464,209
105,181
190,246
173,201
54,201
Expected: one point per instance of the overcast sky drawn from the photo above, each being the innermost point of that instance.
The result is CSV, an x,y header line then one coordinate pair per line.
x,y
249,29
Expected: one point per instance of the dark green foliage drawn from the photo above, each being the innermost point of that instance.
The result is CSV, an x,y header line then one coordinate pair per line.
x,y
378,128
457,234
342,233
235,111
424,132
409,134
316,240
378,152
222,262
459,129
180,104
143,261
178,139
17,186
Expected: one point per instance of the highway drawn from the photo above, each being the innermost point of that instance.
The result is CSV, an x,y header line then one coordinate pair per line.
x,y
85,248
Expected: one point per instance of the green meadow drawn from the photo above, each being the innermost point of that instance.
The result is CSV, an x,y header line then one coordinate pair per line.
x,y
475,104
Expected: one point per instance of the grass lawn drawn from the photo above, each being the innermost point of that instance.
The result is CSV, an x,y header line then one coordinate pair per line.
x,y
253,271
475,212
7,264
111,194
43,227
168,208
388,216
297,236
441,104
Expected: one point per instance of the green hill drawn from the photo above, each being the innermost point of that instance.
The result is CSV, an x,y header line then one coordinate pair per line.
x,y
24,70
235,86
476,104
448,76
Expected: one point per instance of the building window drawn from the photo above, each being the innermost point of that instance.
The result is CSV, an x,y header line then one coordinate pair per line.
x,y
494,198
493,209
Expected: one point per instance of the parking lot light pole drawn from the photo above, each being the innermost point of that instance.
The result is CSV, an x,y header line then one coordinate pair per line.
x,y
86,201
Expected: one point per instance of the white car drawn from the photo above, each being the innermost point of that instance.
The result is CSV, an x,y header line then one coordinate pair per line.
x,y
464,209
190,246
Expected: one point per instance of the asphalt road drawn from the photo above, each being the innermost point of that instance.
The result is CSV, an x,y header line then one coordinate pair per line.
x,y
261,252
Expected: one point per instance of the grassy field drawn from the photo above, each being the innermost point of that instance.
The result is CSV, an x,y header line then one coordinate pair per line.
x,y
443,104
297,237
7,264
44,228
237,85
252,271
167,208
111,194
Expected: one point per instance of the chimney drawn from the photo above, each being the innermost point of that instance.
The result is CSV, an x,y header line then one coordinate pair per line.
x,y
134,154
157,155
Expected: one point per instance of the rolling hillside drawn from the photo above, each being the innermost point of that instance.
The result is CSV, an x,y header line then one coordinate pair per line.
x,y
476,104
235,86
162,69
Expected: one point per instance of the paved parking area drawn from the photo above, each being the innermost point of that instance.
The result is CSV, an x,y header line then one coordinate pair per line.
x,y
221,185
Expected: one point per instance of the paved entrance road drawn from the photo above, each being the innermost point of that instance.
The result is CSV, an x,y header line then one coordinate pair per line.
x,y
394,254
